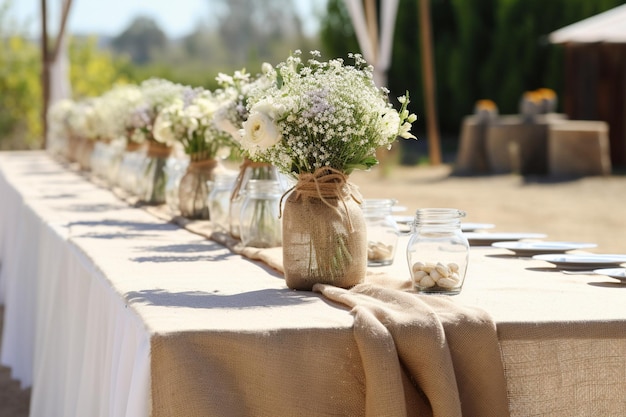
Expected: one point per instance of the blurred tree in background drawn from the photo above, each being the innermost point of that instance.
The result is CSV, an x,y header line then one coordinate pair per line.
x,y
492,49
140,40
93,70
20,86
495,49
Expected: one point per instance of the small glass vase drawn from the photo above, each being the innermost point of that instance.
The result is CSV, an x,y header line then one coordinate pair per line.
x,y
249,170
438,251
194,188
382,231
175,168
324,233
219,199
152,185
129,172
116,149
85,149
260,223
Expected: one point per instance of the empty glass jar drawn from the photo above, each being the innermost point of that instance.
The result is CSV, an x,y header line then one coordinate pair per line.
x,y
438,251
249,170
260,225
382,231
219,199
175,168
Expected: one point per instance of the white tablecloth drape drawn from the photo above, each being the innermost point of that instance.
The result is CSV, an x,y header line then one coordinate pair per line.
x,y
67,332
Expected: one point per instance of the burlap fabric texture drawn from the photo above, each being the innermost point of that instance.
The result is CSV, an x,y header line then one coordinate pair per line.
x,y
424,355
324,234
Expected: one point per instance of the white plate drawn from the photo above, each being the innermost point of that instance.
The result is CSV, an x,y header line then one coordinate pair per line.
x,y
617,273
582,261
404,219
472,227
536,248
486,239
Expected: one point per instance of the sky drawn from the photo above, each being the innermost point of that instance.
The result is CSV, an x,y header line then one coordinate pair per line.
x,y
110,17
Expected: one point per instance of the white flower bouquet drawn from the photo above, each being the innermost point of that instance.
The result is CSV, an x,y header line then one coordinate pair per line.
x,y
235,90
233,94
189,120
322,114
156,94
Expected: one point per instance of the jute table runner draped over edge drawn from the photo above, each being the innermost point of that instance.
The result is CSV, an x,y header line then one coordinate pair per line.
x,y
449,353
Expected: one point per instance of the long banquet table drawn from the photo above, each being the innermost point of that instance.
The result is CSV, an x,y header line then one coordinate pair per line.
x,y
111,311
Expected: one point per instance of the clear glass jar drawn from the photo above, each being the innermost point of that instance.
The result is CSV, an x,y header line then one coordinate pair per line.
x,y
194,188
249,171
152,183
260,225
382,231
175,168
131,166
219,199
438,251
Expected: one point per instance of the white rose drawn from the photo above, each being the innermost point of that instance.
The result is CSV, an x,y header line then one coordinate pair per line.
x,y
162,130
260,132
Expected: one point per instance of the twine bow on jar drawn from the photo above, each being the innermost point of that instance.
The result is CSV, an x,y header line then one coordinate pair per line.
x,y
326,183
247,163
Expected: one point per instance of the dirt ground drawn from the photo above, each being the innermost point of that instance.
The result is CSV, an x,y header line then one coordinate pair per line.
x,y
590,209
13,400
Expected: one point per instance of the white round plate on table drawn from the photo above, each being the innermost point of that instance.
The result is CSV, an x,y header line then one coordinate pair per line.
x,y
486,239
582,261
404,219
472,227
617,273
542,247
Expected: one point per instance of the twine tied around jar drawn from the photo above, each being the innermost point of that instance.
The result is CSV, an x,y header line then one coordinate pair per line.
x,y
325,183
202,165
158,150
247,163
133,146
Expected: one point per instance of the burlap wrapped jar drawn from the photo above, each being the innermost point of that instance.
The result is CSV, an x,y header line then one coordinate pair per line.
x,y
324,234
193,190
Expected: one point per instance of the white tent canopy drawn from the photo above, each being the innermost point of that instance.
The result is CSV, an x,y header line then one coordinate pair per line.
x,y
609,26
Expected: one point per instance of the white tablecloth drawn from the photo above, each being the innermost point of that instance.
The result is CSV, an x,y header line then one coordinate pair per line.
x,y
97,294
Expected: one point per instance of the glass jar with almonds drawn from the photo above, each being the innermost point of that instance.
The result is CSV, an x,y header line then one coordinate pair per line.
x,y
382,231
437,251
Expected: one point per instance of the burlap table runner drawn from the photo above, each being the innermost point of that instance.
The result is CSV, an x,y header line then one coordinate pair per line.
x,y
424,355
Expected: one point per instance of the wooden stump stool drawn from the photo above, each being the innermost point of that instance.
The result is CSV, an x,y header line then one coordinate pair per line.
x,y
579,148
472,157
514,145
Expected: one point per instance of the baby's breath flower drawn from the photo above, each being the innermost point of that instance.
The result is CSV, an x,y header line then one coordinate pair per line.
x,y
326,114
190,122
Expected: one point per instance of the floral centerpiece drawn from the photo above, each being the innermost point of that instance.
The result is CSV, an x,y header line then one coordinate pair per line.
x,y
189,121
59,127
156,94
83,121
319,121
230,118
